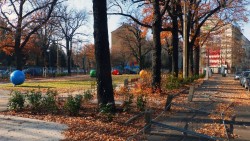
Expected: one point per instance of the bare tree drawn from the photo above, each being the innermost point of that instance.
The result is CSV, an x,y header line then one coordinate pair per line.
x,y
69,22
45,37
24,18
158,9
136,42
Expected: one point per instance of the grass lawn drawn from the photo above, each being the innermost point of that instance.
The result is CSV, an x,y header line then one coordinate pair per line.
x,y
64,84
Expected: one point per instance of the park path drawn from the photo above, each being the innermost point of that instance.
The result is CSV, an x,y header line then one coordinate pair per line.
x,y
13,128
207,99
4,96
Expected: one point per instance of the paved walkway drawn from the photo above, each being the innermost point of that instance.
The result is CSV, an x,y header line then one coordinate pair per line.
x,y
4,96
14,128
23,129
194,115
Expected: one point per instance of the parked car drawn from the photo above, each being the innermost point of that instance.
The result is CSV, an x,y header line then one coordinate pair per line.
x,y
129,71
243,78
237,75
247,83
116,72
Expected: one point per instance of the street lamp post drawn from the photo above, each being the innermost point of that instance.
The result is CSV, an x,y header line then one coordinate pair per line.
x,y
48,50
57,58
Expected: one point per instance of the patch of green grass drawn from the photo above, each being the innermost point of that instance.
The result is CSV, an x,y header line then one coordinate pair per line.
x,y
63,85
119,79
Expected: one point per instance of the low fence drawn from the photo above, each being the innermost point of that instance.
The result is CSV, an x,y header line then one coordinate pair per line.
x,y
196,117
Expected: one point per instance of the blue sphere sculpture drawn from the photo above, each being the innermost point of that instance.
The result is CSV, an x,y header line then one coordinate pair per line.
x,y
17,77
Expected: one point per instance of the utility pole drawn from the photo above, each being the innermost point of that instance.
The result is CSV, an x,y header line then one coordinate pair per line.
x,y
185,59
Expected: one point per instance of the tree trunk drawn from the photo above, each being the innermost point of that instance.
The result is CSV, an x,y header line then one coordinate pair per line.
x,y
175,41
191,59
197,59
156,62
170,58
140,60
197,53
102,54
19,58
18,50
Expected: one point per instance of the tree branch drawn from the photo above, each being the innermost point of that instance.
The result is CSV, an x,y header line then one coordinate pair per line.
x,y
133,18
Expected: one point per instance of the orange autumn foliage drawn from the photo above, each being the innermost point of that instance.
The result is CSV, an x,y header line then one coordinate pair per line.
x,y
7,45
89,51
148,19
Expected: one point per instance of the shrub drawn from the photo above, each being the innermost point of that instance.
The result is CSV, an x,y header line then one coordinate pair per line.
x,y
202,75
16,101
73,105
35,100
127,102
87,95
49,102
174,82
141,103
190,79
114,86
196,77
61,74
107,110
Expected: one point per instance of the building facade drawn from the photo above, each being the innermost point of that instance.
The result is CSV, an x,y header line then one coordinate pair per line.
x,y
227,50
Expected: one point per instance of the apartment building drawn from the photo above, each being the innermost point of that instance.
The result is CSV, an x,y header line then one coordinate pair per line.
x,y
227,50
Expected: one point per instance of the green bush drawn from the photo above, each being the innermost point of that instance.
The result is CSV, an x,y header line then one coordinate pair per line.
x,y
73,105
141,103
16,101
196,77
186,81
174,82
107,110
202,75
49,102
35,100
61,74
87,95
127,102
114,85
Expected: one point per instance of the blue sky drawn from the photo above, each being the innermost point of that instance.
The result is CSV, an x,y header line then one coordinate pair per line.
x,y
246,27
246,30
114,21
